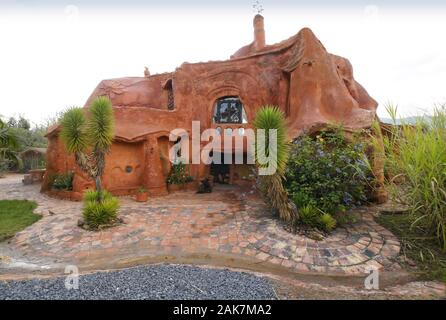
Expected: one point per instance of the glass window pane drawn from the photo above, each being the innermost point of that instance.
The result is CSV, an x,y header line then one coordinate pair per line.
x,y
229,110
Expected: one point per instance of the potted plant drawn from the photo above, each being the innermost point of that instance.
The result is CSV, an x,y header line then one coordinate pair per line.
x,y
142,195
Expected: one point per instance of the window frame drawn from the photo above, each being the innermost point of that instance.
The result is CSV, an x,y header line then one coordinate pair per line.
x,y
216,117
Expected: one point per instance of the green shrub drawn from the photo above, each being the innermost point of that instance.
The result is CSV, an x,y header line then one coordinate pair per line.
x,y
417,154
9,144
98,213
328,172
93,195
309,215
302,199
62,181
327,222
313,217
178,174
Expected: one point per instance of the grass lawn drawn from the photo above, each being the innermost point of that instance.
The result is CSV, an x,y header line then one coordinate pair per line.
x,y
423,253
16,215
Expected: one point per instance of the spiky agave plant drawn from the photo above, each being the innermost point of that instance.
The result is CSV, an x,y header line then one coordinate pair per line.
x,y
89,136
271,118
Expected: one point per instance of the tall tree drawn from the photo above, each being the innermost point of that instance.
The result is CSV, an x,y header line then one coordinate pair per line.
x,y
89,135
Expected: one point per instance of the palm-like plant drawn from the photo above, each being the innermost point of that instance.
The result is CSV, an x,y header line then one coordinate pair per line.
x,y
89,136
8,145
271,118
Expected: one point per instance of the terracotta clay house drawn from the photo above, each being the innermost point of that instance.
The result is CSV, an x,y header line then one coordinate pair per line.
x,y
310,85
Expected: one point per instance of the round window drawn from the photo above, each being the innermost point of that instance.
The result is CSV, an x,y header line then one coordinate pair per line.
x,y
228,131
128,169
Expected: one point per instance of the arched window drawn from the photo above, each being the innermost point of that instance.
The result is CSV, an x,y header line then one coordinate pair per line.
x,y
229,110
168,86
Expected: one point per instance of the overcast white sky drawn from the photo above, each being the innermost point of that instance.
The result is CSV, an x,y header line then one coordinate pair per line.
x,y
53,56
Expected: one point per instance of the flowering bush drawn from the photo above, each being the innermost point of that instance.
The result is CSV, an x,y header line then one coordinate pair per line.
x,y
327,172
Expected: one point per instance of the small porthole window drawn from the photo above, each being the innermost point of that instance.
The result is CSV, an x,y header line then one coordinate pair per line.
x,y
218,131
241,131
128,169
228,131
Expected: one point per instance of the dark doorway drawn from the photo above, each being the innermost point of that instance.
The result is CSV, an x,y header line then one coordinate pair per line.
x,y
220,170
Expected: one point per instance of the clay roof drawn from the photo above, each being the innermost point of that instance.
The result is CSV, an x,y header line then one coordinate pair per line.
x,y
134,123
140,93
273,48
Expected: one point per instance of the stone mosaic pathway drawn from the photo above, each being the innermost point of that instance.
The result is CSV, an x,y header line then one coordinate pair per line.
x,y
228,222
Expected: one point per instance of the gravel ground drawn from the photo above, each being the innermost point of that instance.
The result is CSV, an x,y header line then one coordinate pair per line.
x,y
146,282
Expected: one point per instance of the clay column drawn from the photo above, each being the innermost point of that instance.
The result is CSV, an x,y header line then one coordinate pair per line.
x,y
153,173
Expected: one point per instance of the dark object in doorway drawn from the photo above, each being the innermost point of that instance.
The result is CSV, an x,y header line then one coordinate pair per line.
x,y
205,186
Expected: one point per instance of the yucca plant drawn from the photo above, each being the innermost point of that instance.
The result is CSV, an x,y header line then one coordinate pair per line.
x,y
89,134
96,213
270,118
417,154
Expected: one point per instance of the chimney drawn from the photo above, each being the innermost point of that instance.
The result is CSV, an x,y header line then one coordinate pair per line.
x,y
259,33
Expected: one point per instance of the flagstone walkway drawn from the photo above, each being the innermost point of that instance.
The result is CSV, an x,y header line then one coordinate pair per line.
x,y
228,222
